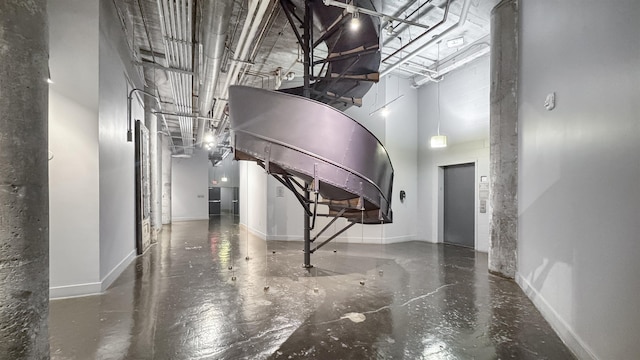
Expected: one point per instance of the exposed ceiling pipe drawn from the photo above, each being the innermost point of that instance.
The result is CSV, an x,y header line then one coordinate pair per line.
x,y
261,37
353,9
398,29
436,38
437,25
454,62
400,11
215,23
219,105
242,49
176,27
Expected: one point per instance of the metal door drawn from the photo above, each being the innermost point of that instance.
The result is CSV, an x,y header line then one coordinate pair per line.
x,y
459,222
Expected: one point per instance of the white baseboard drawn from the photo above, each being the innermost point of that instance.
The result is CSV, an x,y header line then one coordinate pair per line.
x,y
94,288
254,231
76,290
399,239
285,237
179,219
117,270
350,240
564,331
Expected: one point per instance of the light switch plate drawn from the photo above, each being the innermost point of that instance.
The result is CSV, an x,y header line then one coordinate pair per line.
x,y
550,101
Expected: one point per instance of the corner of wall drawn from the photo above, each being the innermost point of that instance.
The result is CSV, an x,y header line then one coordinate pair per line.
x,y
564,331
117,271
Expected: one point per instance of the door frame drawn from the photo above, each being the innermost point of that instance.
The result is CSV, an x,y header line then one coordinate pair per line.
x,y
439,203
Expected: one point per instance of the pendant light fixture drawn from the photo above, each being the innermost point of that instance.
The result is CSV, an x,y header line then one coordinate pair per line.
x,y
438,141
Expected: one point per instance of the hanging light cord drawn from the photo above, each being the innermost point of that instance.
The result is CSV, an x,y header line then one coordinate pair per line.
x,y
438,89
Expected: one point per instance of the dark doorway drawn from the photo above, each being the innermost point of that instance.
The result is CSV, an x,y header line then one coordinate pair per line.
x,y
459,194
214,201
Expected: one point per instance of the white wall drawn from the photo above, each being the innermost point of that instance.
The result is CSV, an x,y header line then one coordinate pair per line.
x,y
579,171
285,220
166,180
372,101
73,141
401,144
189,191
464,118
91,173
253,198
117,179
229,168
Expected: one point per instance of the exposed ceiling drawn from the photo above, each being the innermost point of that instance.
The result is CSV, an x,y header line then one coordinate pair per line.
x,y
175,52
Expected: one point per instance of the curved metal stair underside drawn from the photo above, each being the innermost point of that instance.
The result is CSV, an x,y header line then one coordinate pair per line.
x,y
294,137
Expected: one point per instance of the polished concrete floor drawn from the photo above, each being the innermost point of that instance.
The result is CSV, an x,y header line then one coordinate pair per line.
x,y
418,301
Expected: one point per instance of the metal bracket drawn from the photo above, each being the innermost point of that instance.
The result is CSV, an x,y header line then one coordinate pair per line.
x,y
333,237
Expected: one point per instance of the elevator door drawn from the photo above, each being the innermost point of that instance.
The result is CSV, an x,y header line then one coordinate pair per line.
x,y
459,205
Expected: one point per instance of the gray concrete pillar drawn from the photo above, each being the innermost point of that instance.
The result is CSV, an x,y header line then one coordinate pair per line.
x,y
151,122
24,194
504,139
166,180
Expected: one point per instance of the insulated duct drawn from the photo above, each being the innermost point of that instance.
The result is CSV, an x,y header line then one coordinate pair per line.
x,y
257,9
215,23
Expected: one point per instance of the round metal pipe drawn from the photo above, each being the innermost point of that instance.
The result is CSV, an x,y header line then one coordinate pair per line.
x,y
416,52
215,15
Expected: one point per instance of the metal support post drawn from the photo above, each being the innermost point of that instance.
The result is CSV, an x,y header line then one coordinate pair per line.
x,y
306,49
307,229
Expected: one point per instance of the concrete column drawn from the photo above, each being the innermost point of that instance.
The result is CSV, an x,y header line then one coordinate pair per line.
x,y
504,139
166,180
151,122
24,195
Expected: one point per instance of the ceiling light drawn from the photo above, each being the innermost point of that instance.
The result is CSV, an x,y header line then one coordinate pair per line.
x,y
208,138
389,28
49,81
355,21
384,112
210,144
438,141
224,179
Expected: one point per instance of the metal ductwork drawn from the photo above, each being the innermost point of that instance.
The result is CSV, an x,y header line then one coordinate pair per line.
x,y
177,31
215,23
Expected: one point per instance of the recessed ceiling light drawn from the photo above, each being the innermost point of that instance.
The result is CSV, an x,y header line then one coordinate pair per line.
x,y
455,42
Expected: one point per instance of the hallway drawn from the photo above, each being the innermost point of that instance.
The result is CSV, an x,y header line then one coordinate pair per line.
x,y
419,301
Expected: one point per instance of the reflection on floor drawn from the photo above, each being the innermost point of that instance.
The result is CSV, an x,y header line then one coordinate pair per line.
x,y
418,301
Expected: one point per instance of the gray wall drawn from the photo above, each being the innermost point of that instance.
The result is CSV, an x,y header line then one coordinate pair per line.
x,y
189,191
579,174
